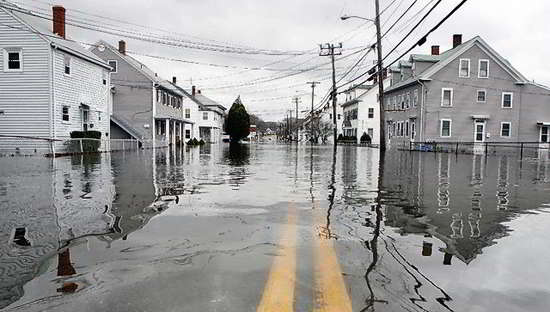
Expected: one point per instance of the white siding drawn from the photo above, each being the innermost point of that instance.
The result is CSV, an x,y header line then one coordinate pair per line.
x,y
24,96
83,86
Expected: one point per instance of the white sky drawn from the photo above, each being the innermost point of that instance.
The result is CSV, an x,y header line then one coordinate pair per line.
x,y
518,30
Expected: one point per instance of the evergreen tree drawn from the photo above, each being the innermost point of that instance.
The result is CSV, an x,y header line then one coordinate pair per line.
x,y
237,124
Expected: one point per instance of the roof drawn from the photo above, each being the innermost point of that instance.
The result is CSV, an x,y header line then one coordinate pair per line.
x,y
207,102
43,27
445,58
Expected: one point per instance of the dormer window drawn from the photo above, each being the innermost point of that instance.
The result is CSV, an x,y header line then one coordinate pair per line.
x,y
464,68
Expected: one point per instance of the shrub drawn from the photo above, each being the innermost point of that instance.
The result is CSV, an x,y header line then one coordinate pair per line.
x,y
365,138
340,137
201,142
88,146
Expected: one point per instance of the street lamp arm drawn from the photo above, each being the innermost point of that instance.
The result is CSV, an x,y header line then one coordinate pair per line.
x,y
345,17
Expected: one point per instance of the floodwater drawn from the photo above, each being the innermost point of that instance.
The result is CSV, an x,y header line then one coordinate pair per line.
x,y
275,228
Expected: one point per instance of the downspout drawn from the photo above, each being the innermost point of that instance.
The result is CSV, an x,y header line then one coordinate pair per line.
x,y
154,126
52,99
422,110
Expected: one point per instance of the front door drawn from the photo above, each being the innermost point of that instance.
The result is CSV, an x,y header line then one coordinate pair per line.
x,y
479,131
545,134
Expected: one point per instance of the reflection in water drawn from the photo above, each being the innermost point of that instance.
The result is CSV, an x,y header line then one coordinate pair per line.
x,y
411,230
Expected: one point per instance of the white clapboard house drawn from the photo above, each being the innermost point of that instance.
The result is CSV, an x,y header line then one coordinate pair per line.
x,y
49,85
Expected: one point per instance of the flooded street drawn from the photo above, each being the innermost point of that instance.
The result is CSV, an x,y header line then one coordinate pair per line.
x,y
275,228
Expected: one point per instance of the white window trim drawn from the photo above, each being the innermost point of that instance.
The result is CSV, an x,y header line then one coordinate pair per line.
x,y
65,58
509,131
460,68
441,128
116,66
477,96
443,96
6,59
479,69
511,100
68,114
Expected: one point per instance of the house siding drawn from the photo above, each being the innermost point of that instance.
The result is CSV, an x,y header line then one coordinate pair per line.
x,y
133,98
465,102
85,86
25,95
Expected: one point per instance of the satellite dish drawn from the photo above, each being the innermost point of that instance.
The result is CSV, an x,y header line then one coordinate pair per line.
x,y
101,48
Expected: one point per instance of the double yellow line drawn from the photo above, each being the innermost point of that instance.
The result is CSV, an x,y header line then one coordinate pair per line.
x,y
330,291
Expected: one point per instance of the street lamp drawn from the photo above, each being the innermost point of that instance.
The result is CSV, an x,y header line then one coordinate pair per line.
x,y
345,17
380,73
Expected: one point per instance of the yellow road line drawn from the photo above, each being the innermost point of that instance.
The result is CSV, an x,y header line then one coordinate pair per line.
x,y
330,290
278,295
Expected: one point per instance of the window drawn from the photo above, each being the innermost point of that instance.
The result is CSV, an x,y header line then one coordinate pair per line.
x,y
114,66
188,113
371,112
408,100
413,129
13,60
164,97
104,74
505,129
187,133
406,128
483,69
415,98
402,99
67,62
447,97
544,131
464,70
65,113
507,99
445,130
481,96
339,116
205,116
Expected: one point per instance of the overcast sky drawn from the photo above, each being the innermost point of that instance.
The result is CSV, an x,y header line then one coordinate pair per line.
x,y
518,30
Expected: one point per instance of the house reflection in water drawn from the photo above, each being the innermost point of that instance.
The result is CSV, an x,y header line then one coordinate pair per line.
x,y
462,200
49,204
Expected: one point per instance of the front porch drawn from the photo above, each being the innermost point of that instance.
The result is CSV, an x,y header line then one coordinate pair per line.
x,y
171,131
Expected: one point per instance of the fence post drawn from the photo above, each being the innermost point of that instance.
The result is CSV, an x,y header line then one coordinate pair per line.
x,y
81,149
456,149
521,152
486,148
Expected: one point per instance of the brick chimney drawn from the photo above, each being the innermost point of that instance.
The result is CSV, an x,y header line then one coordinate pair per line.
x,y
122,47
193,90
59,20
174,80
457,40
435,50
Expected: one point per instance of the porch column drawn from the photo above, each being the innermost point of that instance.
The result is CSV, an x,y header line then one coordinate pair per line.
x,y
182,133
173,133
167,131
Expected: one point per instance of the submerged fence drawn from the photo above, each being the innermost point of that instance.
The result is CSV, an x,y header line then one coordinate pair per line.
x,y
523,149
35,146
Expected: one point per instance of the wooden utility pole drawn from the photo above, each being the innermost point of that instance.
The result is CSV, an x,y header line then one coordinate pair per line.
x,y
332,50
313,84
380,80
296,100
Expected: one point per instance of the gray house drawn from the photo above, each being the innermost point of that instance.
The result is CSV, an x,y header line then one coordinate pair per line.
x,y
145,107
469,93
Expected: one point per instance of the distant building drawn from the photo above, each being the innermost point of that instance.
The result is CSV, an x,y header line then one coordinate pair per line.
x,y
49,85
211,119
469,93
145,107
362,112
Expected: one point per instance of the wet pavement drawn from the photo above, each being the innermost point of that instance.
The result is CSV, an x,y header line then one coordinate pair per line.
x,y
275,228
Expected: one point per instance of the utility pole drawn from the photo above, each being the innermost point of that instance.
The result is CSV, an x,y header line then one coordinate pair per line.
x,y
313,84
380,81
297,101
290,125
331,50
